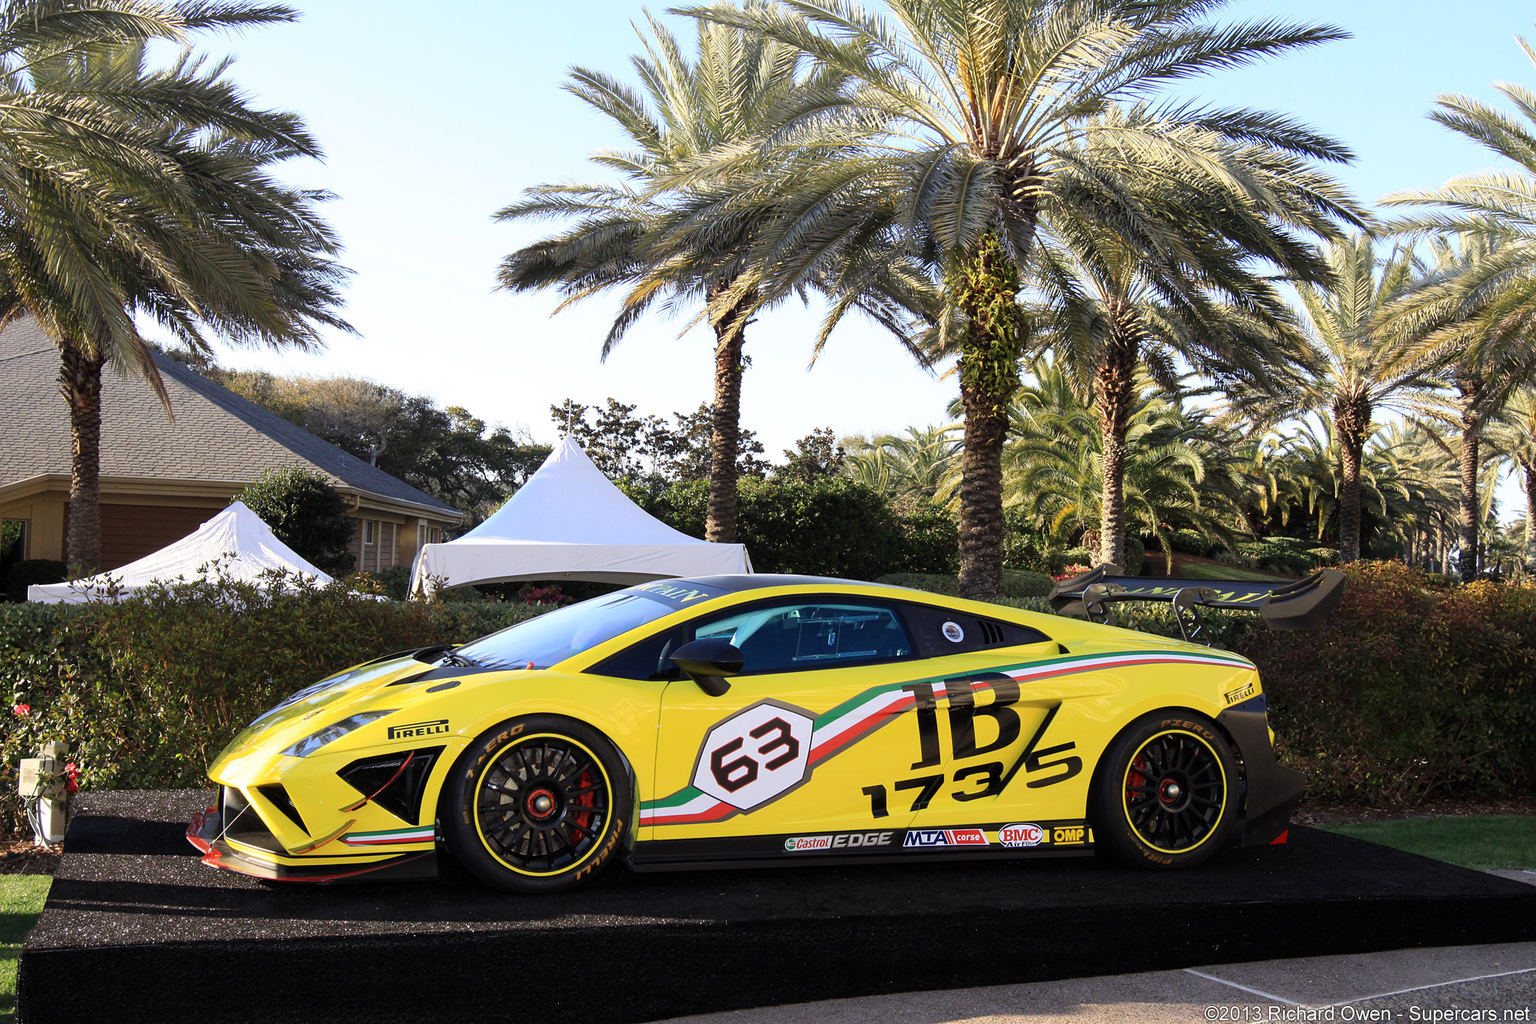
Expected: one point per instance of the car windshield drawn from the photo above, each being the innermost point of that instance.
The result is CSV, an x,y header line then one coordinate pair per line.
x,y
554,636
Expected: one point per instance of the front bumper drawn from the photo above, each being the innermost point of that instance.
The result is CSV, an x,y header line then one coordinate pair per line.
x,y
254,852
1273,789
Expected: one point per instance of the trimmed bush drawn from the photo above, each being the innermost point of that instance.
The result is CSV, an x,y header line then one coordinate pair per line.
x,y
306,513
1016,585
1285,555
1409,691
33,570
830,527
148,690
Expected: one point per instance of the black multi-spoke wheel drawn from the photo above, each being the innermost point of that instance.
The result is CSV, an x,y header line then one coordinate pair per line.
x,y
1167,791
536,804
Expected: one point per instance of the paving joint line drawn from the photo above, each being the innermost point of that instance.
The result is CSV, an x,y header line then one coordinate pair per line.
x,y
1357,999
1438,984
1253,991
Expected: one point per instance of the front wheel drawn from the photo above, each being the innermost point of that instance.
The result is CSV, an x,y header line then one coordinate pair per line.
x,y
1167,792
536,804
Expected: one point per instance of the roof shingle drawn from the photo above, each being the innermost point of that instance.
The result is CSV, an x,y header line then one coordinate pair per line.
x,y
216,435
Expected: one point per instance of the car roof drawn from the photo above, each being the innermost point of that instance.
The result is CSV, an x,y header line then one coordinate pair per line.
x,y
758,581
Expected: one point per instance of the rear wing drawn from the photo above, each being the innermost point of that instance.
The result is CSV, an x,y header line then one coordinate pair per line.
x,y
1282,605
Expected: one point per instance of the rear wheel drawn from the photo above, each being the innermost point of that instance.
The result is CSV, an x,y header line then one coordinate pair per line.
x,y
1167,792
537,804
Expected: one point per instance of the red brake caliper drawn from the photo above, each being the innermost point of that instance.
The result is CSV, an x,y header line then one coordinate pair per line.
x,y
585,800
1133,779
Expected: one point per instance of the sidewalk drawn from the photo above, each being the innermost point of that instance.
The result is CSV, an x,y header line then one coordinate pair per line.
x,y
1452,983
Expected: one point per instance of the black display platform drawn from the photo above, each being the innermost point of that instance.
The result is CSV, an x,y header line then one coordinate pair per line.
x,y
136,929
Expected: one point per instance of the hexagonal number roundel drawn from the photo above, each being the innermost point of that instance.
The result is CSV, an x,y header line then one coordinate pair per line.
x,y
755,755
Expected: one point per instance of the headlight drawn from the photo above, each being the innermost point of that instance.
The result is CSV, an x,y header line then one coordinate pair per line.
x,y
331,733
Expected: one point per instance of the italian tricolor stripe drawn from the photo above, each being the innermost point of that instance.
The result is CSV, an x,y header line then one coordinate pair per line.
x,y
851,721
390,837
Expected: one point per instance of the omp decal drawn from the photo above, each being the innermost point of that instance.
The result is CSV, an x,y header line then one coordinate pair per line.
x,y
1020,834
923,837
843,841
401,732
1071,835
851,721
390,837
1242,693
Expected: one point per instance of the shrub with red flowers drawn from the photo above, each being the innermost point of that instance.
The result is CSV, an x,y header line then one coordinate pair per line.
x,y
549,595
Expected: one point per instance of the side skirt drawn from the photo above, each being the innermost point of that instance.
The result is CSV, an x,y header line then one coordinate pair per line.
x,y
999,841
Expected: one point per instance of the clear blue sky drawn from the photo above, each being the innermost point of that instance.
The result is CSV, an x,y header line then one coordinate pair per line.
x,y
432,121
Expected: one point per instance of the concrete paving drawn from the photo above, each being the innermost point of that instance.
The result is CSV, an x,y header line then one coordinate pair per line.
x,y
1454,983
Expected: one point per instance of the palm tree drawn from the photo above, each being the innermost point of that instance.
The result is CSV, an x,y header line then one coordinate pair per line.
x,y
1353,367
973,118
1513,435
1477,306
920,463
1199,304
647,233
145,194
1469,317
1053,464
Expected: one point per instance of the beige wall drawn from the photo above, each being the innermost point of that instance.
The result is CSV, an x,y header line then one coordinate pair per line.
x,y
44,516
136,521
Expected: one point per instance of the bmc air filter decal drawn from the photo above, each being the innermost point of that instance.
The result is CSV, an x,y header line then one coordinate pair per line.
x,y
756,755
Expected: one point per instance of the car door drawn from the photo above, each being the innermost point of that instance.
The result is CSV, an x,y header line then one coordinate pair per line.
x,y
999,722
819,714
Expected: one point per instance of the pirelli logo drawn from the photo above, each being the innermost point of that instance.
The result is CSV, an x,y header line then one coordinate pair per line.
x,y
1241,693
405,732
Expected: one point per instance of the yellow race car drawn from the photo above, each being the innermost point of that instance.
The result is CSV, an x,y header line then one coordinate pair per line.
x,y
762,720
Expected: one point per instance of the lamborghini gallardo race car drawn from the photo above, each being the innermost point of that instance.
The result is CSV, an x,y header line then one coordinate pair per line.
x,y
761,720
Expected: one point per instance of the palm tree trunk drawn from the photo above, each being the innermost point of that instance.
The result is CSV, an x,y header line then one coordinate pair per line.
x,y
1471,430
730,336
1530,516
80,384
983,287
1351,421
1114,386
1351,450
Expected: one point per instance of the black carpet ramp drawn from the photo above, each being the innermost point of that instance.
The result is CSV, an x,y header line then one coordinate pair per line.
x,y
136,929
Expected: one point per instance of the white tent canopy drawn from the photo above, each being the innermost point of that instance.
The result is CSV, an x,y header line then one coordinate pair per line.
x,y
236,541
570,522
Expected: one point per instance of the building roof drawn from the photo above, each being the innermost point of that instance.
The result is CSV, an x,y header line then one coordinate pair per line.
x,y
216,436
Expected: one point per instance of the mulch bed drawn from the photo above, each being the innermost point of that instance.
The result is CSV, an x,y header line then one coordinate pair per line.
x,y
24,857
1344,814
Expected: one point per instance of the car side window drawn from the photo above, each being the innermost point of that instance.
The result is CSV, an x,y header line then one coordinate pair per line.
x,y
810,634
940,631
649,659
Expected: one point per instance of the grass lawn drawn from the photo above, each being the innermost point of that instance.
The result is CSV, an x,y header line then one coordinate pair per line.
x,y
1483,842
21,900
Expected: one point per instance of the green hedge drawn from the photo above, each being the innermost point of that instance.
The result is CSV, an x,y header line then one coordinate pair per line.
x,y
1413,690
1015,584
148,690
32,571
832,527
1410,691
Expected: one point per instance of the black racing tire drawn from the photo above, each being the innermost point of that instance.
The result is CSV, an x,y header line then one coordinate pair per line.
x,y
1167,792
537,804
